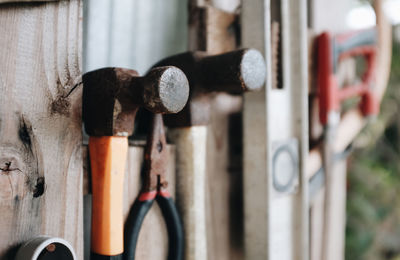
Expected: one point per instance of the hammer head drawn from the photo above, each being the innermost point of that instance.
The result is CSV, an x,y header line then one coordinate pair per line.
x,y
112,97
233,72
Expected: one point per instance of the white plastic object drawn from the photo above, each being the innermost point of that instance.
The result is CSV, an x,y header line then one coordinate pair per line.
x,y
38,248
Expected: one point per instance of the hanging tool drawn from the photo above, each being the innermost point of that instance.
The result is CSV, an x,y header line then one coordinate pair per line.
x,y
331,51
154,188
233,72
111,99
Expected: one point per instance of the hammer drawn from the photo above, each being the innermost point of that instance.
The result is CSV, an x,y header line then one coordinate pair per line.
x,y
233,72
111,99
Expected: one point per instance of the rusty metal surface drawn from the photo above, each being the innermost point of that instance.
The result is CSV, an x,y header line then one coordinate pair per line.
x,y
156,156
112,97
233,72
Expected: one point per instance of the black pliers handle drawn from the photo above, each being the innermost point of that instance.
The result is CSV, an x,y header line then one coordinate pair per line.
x,y
156,158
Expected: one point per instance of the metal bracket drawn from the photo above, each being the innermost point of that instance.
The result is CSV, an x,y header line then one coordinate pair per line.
x,y
285,166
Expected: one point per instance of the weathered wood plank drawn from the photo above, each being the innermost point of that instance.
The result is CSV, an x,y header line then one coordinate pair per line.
x,y
191,146
316,225
40,115
333,249
276,224
256,178
223,180
211,31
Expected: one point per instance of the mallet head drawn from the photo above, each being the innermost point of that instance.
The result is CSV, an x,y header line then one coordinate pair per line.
x,y
112,97
233,72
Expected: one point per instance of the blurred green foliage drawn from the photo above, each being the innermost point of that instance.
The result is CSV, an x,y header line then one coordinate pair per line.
x,y
373,200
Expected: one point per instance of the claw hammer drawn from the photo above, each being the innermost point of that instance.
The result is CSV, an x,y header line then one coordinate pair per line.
x,y
232,72
111,99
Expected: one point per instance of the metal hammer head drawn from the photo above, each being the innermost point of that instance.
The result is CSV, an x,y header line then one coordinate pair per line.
x,y
112,97
232,72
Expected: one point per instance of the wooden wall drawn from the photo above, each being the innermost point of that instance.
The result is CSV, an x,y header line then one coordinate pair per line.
x,y
40,123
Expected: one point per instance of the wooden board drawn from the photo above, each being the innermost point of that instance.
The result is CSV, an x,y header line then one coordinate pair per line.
x,y
40,123
224,204
211,31
256,28
316,225
153,240
333,247
190,144
276,225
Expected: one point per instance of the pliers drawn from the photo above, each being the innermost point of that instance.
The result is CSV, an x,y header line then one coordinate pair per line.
x,y
154,188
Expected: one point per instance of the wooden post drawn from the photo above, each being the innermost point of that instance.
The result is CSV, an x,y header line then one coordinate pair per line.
x,y
276,224
40,123
212,31
333,249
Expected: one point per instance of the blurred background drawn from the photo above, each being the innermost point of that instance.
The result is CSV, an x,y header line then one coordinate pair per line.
x,y
373,201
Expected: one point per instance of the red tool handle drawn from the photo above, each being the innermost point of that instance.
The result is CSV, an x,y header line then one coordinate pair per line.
x,y
332,50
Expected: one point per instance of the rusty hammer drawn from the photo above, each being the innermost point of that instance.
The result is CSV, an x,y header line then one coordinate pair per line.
x,y
233,72
111,99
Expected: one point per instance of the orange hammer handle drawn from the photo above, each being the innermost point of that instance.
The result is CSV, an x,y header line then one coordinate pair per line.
x,y
107,159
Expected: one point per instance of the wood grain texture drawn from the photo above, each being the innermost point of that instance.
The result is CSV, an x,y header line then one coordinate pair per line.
x,y
256,180
40,123
299,84
223,180
276,225
191,171
316,225
335,208
213,32
153,239
224,145
210,29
